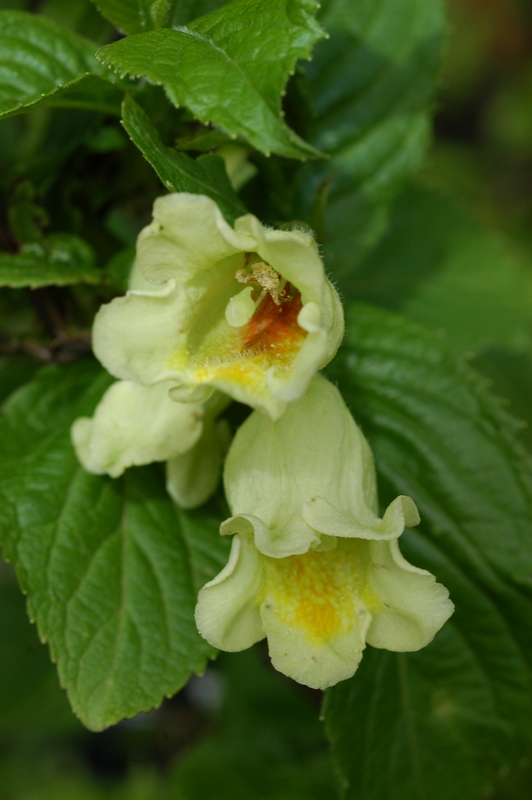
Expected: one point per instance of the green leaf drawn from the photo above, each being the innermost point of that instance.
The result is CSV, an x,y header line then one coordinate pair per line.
x,y
510,373
372,83
30,698
131,16
59,259
107,564
43,141
15,370
80,16
230,67
42,63
178,171
289,739
181,12
441,722
440,267
137,16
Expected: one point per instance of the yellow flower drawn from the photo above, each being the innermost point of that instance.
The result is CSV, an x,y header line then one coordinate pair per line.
x,y
247,310
134,425
312,566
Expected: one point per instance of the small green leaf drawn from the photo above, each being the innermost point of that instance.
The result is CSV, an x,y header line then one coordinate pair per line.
x,y
230,67
131,16
438,266
441,722
59,259
42,63
372,84
137,16
178,171
107,566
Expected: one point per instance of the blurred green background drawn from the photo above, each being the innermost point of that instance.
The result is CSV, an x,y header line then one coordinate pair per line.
x,y
243,731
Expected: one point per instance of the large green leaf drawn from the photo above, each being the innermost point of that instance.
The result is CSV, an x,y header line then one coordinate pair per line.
x,y
510,372
440,267
107,565
439,723
178,171
372,84
229,67
58,259
42,63
15,370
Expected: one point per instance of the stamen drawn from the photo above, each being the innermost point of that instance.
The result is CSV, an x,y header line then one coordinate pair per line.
x,y
267,278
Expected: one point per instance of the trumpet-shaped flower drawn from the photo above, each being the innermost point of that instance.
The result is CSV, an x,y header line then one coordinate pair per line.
x,y
134,425
312,566
247,310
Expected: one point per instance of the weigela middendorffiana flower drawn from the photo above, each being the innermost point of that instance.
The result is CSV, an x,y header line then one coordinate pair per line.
x,y
134,425
312,566
247,310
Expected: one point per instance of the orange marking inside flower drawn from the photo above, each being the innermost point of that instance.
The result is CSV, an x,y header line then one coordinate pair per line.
x,y
274,326
271,338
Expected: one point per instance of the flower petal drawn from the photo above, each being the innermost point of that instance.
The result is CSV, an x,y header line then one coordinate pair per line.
x,y
277,470
271,540
315,615
227,615
188,235
134,425
316,665
134,336
325,518
191,478
413,606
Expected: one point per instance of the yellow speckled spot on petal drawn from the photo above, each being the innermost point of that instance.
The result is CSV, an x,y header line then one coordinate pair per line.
x,y
322,593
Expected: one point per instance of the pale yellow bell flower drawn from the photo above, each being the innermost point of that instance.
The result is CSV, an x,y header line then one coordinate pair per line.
x,y
247,310
313,568
134,425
